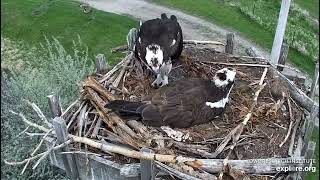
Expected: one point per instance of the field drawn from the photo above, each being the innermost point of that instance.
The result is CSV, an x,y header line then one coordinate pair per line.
x,y
256,20
30,21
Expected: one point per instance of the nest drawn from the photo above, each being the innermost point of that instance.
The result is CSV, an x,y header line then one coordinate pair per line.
x,y
266,133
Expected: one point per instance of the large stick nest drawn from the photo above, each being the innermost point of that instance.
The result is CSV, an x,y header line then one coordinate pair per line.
x,y
260,138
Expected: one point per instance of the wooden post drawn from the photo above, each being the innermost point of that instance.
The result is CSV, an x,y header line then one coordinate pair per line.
x,y
251,52
131,38
308,156
315,81
229,44
283,55
147,167
281,28
101,64
69,162
55,105
309,127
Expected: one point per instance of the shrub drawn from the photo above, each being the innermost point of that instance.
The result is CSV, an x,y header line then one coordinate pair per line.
x,y
46,70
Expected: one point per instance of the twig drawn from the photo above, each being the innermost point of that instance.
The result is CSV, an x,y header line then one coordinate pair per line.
x,y
29,122
74,116
236,64
92,126
174,172
35,134
23,131
38,155
25,167
112,71
290,125
39,112
43,156
70,106
249,57
203,42
119,77
119,49
41,142
96,128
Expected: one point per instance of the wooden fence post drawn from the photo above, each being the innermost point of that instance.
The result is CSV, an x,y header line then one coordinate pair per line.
x,y
315,81
283,55
69,162
229,44
309,127
101,64
281,28
147,167
55,105
131,38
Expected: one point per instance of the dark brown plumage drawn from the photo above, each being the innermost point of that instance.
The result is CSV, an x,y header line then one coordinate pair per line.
x,y
182,104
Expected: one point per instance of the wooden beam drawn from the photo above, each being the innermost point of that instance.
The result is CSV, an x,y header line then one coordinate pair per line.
x,y
101,64
315,81
230,43
69,162
309,127
131,38
280,31
283,55
55,105
147,167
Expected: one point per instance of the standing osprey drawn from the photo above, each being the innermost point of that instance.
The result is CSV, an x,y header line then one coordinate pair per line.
x,y
158,42
184,104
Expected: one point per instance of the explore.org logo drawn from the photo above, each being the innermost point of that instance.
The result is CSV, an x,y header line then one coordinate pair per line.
x,y
288,165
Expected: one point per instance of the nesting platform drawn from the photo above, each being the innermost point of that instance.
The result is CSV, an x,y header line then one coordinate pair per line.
x,y
264,122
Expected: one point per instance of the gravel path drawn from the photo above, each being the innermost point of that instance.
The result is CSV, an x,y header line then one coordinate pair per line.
x,y
193,27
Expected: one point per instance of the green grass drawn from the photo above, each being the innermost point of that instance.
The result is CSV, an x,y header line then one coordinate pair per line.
x,y
310,5
231,17
32,20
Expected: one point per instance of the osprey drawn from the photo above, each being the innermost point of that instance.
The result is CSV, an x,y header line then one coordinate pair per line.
x,y
184,104
158,43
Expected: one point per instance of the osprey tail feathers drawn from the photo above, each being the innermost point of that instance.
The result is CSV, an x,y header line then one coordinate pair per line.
x,y
126,107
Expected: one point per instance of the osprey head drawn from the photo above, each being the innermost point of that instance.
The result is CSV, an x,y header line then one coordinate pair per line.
x,y
224,77
154,56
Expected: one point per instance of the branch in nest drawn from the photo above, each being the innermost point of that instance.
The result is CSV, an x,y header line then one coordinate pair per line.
x,y
69,108
112,71
119,77
75,115
290,125
236,64
38,155
39,112
29,122
112,119
203,42
122,48
92,83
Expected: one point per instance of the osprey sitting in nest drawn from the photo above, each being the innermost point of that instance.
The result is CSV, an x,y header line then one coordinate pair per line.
x,y
184,104
158,42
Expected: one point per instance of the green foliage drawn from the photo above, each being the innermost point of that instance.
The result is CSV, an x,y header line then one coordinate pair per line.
x,y
32,20
51,70
256,20
300,34
311,5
